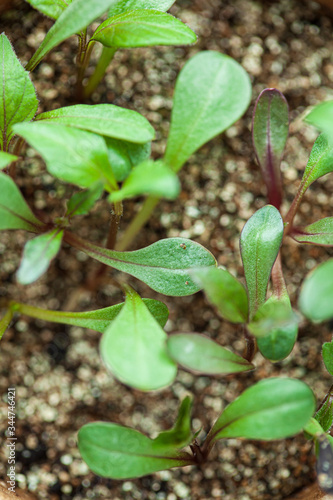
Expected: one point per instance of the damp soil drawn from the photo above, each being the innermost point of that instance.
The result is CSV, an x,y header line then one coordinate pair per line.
x,y
60,381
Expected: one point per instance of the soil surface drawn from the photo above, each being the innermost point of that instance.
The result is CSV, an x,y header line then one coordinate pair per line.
x,y
60,380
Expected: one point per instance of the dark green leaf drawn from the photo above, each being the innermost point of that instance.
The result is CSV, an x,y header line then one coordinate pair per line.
x,y
164,265
316,297
14,212
325,415
202,355
37,256
224,291
123,156
322,118
149,177
325,463
180,435
6,159
270,131
133,347
117,452
143,28
104,119
274,408
212,92
327,354
77,16
260,242
318,233
126,5
81,203
94,320
320,162
5,322
70,154
51,8
18,101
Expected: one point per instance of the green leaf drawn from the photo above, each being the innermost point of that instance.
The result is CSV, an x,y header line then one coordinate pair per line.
x,y
313,428
212,92
104,119
164,265
71,155
5,322
316,297
6,159
320,162
51,8
149,177
14,212
133,347
324,464
200,354
77,16
274,408
143,28
94,320
322,118
117,452
327,354
276,326
37,256
260,242
125,5
18,101
269,133
325,415
81,203
224,291
123,156
180,435
318,233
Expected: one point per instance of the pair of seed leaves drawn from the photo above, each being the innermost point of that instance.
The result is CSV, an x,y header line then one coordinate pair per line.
x,y
133,23
84,158
274,408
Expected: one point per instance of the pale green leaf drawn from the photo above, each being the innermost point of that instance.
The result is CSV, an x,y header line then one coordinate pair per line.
x,y
164,265
70,154
125,5
133,347
6,159
14,212
18,101
200,354
316,297
149,177
37,256
322,118
51,8
260,242
212,92
104,119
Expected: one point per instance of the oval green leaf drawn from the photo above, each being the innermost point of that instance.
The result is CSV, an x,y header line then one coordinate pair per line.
x,y
37,256
316,297
126,5
260,242
164,265
124,155
224,291
77,16
14,212
318,233
98,320
143,28
154,178
320,162
104,119
274,408
133,347
200,354
322,118
18,101
51,8
70,154
327,354
270,128
212,92
117,452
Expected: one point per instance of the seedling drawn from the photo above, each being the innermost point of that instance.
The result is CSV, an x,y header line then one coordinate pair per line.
x,y
130,24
